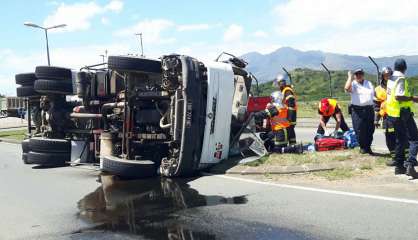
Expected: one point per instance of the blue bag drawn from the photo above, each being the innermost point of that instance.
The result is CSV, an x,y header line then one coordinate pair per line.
x,y
350,139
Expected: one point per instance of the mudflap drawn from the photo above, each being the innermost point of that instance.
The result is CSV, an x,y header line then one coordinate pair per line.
x,y
189,119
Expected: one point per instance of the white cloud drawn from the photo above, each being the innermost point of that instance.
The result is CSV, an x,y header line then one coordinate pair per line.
x,y
114,6
260,34
151,30
233,33
105,20
78,16
300,16
193,27
378,42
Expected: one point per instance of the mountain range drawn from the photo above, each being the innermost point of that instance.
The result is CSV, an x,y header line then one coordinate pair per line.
x,y
266,66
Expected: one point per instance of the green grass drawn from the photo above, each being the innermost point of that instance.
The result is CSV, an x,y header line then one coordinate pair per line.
x,y
336,174
13,134
307,158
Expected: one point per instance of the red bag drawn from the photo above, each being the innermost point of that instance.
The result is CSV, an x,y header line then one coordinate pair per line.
x,y
327,144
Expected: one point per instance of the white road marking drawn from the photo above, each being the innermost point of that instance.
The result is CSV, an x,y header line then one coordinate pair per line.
x,y
360,195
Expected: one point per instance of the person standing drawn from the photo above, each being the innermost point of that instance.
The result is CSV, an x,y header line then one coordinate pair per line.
x,y
328,108
362,112
289,99
399,109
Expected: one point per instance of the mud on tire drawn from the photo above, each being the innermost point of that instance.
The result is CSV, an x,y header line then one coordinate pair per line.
x,y
129,169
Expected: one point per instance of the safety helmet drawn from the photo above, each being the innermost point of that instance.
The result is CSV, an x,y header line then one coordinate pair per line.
x,y
281,78
277,99
387,70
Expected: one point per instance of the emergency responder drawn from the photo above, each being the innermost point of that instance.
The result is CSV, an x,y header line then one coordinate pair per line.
x,y
290,102
277,139
328,108
381,115
361,108
399,109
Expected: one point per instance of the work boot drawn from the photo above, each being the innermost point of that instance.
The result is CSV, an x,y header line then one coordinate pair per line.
x,y
400,170
410,171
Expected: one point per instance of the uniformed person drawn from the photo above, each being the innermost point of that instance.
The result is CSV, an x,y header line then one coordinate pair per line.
x,y
328,108
400,115
277,140
290,102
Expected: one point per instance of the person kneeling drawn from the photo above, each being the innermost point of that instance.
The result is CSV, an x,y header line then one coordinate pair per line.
x,y
277,139
328,108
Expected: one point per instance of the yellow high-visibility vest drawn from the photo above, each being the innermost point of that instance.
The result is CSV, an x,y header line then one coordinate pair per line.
x,y
393,106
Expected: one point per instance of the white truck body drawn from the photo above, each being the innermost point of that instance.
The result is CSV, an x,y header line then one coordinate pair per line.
x,y
218,118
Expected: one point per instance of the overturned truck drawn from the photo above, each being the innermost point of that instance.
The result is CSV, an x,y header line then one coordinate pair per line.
x,y
141,117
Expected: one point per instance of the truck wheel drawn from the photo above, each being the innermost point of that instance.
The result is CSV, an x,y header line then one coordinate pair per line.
x,y
25,146
25,158
25,79
133,64
50,145
48,86
54,73
129,169
26,91
48,159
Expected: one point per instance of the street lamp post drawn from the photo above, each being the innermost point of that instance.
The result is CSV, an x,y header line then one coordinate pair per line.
x,y
29,24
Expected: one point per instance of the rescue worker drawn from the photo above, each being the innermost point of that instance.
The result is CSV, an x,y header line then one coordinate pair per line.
x,y
362,111
328,108
277,139
380,97
399,109
290,102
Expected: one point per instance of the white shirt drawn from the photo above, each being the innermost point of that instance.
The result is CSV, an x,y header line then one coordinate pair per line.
x,y
362,94
400,88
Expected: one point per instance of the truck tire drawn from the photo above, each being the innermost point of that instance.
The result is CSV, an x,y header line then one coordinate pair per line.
x,y
25,158
134,64
48,86
48,159
129,169
26,91
25,79
54,73
50,145
26,146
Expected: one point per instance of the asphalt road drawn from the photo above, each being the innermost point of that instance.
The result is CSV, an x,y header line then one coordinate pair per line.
x,y
75,203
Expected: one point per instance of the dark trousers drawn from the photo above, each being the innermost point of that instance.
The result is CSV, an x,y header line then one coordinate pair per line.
x,y
390,136
343,124
405,131
291,134
363,124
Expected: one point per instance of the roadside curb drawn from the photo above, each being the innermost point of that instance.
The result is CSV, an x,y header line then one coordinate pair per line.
x,y
13,141
306,168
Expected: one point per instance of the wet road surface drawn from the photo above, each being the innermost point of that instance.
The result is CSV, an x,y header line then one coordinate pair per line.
x,y
77,203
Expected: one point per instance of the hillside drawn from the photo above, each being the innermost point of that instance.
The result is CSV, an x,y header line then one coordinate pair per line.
x,y
267,66
314,85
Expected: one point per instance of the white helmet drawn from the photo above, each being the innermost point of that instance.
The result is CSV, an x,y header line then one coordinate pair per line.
x,y
281,78
277,99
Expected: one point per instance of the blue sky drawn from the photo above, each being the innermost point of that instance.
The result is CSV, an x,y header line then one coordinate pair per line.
x,y
201,29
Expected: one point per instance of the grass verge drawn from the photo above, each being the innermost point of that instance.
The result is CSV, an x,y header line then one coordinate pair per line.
x,y
13,134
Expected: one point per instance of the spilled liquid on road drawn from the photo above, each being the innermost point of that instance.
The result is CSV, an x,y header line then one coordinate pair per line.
x,y
149,208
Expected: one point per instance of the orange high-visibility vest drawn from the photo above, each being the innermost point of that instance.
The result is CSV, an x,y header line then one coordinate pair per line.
x,y
382,111
280,121
331,110
286,100
380,94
